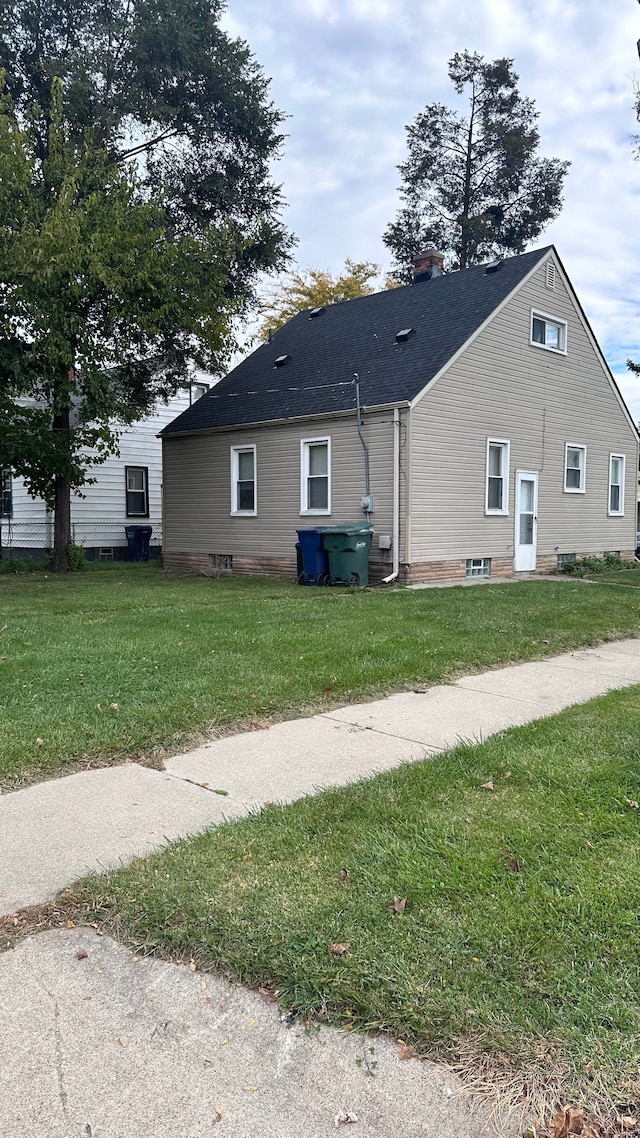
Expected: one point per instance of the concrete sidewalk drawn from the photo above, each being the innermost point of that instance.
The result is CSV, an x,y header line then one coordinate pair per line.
x,y
53,833
97,1044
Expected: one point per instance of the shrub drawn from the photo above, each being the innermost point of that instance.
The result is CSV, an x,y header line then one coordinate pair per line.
x,y
590,566
77,558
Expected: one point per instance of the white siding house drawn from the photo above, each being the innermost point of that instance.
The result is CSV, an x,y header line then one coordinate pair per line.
x,y
127,491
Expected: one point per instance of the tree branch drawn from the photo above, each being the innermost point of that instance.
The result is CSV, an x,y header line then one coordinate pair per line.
x,y
146,146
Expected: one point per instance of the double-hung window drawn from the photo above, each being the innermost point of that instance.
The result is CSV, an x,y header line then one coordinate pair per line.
x,y
137,491
548,332
244,498
497,477
616,485
315,476
575,468
6,495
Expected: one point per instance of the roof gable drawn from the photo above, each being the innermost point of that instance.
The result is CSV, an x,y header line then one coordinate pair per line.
x,y
308,367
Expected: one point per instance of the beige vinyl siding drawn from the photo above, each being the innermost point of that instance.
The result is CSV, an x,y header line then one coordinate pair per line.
x,y
197,488
503,387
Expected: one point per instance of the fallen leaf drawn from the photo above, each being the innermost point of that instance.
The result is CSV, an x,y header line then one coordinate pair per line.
x,y
344,1117
268,996
340,949
250,1088
192,965
122,1042
39,742
218,1116
82,954
70,925
512,863
567,1121
344,874
487,786
406,1052
398,905
115,706
507,775
632,803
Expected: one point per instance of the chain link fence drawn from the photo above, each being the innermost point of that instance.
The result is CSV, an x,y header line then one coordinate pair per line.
x,y
101,540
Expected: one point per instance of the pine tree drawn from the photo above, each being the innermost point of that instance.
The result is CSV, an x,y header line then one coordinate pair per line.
x,y
473,184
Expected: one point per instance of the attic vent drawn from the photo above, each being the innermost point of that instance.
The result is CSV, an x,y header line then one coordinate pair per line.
x,y
281,361
550,275
404,334
315,312
494,266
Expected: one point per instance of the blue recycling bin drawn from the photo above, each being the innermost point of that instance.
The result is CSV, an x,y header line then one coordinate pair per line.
x,y
138,538
315,562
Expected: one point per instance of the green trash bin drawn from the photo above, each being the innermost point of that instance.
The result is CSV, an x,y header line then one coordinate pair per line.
x,y
348,548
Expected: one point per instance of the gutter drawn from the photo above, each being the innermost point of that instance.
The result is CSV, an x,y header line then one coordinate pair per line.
x,y
396,499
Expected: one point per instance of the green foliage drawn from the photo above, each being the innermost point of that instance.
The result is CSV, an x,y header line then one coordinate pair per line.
x,y
473,184
590,566
315,288
136,213
17,565
77,558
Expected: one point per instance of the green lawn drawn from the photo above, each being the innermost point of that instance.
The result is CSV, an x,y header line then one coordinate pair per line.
x,y
621,577
519,939
129,661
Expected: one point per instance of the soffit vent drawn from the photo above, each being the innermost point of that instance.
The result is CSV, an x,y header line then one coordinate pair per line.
x,y
281,361
315,312
550,275
404,334
494,266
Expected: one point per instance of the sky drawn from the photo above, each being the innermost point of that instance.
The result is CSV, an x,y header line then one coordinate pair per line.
x,y
351,74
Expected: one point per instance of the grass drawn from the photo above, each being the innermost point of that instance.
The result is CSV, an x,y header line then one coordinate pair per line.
x,y
130,662
621,577
518,945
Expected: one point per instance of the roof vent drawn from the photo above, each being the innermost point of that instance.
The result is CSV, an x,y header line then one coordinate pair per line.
x,y
404,334
550,275
315,312
494,266
281,361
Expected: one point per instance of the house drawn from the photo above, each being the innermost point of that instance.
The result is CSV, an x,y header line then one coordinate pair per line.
x,y
494,436
127,491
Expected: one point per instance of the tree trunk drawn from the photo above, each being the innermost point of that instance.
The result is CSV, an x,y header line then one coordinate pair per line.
x,y
62,507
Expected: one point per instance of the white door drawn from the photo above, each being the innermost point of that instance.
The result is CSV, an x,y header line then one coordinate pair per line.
x,y
526,521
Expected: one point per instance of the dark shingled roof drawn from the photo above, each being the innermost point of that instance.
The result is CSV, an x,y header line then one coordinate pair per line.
x,y
358,336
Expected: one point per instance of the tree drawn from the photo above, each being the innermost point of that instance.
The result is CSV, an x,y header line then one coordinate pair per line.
x,y
473,185
315,288
136,215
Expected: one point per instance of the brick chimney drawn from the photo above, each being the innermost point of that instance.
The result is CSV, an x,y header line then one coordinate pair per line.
x,y
428,265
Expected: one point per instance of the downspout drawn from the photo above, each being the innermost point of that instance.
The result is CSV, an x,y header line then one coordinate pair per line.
x,y
367,488
396,498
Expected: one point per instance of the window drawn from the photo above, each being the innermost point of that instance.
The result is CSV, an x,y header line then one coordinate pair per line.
x,y
198,390
478,566
220,563
616,485
575,461
315,476
6,493
243,481
497,480
549,333
564,559
137,484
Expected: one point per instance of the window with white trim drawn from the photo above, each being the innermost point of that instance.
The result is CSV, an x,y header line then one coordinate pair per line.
x,y
548,332
244,499
315,476
575,468
616,485
197,390
137,491
478,566
497,477
6,492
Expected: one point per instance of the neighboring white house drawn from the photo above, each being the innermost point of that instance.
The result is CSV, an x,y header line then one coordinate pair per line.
x,y
127,491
